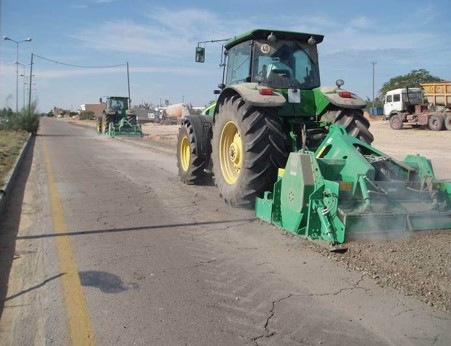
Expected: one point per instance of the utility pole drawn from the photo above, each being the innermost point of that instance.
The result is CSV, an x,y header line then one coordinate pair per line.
x,y
373,63
31,81
128,85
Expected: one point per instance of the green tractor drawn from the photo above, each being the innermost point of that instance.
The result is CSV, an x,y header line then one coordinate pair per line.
x,y
270,103
118,119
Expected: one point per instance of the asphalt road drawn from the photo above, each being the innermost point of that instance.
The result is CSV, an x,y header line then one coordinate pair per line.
x,y
102,244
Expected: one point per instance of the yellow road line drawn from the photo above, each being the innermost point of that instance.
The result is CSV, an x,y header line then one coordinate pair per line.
x,y
79,322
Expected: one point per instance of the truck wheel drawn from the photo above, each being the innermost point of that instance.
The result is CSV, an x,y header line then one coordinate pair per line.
x,y
189,162
353,121
436,122
448,122
248,147
396,122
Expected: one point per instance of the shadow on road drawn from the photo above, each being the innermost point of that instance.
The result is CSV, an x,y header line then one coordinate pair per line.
x,y
9,222
135,229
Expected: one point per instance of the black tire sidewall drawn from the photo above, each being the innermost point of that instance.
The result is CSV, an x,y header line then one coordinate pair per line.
x,y
436,118
263,150
231,193
183,133
448,122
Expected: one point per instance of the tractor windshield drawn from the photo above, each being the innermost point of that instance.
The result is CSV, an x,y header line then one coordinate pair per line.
x,y
285,64
117,104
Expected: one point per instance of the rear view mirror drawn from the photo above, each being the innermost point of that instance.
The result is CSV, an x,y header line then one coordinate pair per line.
x,y
200,54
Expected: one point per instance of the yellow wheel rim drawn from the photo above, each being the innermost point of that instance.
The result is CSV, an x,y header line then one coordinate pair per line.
x,y
230,153
185,153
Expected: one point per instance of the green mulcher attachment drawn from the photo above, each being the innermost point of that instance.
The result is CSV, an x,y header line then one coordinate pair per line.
x,y
125,126
346,188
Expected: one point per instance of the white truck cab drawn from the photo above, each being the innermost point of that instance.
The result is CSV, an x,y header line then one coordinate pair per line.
x,y
402,100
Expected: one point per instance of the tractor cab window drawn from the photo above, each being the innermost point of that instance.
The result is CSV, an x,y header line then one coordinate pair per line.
x,y
238,64
115,104
285,64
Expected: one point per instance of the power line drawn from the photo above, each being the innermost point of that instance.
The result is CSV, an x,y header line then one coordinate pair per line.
x,y
73,65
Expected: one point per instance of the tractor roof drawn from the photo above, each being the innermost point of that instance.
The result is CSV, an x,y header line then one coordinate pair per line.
x,y
263,34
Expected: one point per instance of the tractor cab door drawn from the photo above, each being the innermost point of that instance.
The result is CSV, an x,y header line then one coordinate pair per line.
x,y
239,64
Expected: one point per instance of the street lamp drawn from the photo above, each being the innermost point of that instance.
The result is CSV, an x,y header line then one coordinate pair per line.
x,y
6,38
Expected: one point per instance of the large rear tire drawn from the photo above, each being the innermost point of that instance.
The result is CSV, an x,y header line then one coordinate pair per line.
x,y
106,120
353,121
248,147
190,163
131,119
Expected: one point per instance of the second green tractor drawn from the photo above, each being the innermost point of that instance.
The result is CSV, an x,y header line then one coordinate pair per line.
x,y
118,118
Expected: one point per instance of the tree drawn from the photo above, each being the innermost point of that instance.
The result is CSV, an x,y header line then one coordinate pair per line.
x,y
411,80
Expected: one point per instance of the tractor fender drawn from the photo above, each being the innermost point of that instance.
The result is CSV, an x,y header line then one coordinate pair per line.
x,y
250,93
202,127
332,94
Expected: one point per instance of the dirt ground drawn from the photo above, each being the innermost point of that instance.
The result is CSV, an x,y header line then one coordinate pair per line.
x,y
417,264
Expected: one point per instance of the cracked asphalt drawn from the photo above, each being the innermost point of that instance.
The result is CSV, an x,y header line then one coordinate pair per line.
x,y
162,263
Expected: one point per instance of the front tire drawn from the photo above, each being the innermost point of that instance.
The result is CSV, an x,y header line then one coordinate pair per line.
x,y
396,122
353,121
248,147
190,163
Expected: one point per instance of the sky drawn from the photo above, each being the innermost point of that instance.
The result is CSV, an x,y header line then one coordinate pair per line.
x,y
157,39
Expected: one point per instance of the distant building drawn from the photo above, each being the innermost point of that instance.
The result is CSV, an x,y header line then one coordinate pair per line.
x,y
96,108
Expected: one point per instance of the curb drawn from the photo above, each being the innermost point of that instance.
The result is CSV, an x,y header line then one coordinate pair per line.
x,y
10,178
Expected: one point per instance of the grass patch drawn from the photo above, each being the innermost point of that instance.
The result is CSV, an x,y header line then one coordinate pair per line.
x,y
11,142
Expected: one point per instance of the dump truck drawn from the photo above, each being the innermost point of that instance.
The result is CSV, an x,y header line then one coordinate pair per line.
x,y
270,103
117,118
427,106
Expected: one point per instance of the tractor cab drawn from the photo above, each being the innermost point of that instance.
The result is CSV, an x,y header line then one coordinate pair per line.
x,y
116,105
276,61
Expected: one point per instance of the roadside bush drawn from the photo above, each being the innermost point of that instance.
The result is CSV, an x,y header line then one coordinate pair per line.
x,y
26,122
23,121
86,115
